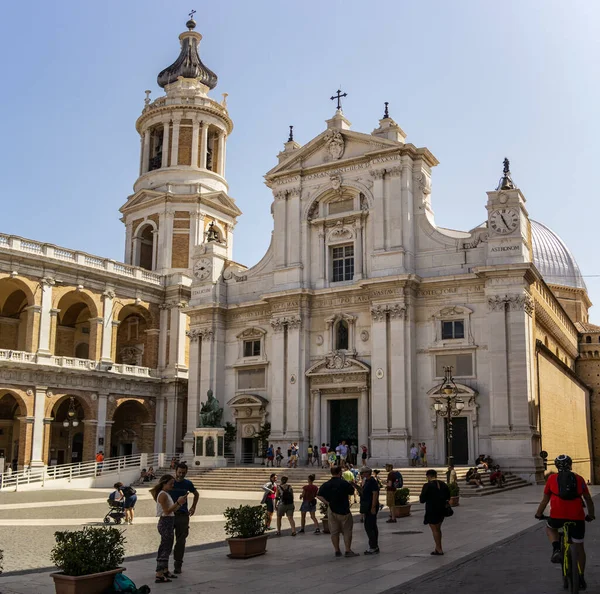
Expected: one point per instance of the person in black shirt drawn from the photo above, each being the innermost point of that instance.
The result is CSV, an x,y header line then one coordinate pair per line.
x,y
335,493
435,495
369,506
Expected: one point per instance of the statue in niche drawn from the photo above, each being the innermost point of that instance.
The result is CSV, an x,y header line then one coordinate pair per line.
x,y
210,446
211,414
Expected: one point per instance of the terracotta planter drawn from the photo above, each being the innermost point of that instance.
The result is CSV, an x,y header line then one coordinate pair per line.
x,y
454,501
244,548
95,583
325,521
402,511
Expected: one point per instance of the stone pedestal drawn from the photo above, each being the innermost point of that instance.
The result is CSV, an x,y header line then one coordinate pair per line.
x,y
209,447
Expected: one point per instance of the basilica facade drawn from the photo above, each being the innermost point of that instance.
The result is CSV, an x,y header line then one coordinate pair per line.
x,y
346,329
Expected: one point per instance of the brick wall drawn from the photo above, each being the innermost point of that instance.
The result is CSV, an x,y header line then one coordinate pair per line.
x,y
184,157
181,250
564,416
9,334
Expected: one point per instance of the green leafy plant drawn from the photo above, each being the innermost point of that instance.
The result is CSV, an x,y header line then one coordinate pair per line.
x,y
1,560
261,437
87,551
245,521
454,489
401,496
230,434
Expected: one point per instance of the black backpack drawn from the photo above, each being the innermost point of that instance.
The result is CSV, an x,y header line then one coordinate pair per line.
x,y
129,491
398,480
567,485
287,497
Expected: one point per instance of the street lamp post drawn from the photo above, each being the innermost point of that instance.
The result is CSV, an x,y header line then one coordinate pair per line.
x,y
70,423
448,405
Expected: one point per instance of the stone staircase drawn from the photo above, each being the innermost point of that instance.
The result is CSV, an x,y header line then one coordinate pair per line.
x,y
251,478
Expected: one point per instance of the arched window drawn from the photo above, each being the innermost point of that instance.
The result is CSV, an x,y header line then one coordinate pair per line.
x,y
588,339
82,350
341,336
144,247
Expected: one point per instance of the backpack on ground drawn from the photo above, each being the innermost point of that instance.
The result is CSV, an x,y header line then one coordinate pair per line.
x,y
128,491
122,583
287,496
567,485
398,480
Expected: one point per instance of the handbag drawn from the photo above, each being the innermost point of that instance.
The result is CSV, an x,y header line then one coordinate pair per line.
x,y
448,511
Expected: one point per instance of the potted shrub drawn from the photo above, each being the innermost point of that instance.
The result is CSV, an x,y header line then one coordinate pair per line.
x,y
402,503
454,494
323,507
246,527
87,559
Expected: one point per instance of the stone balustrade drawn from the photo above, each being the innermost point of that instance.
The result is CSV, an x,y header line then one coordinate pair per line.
x,y
19,244
74,363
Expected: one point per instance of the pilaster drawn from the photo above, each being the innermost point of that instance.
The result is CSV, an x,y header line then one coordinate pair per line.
x,y
38,427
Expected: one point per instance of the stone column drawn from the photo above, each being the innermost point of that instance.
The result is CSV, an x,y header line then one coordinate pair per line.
x,y
128,243
497,349
379,213
315,430
193,396
46,285
277,380
380,398
177,337
363,417
175,143
37,446
358,250
195,135
166,134
165,250
95,344
160,424
163,336
293,216
295,381
394,207
101,427
33,324
108,296
409,231
321,258
172,399
280,228
203,144
146,152
221,155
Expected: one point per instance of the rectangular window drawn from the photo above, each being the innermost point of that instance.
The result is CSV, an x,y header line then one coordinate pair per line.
x,y
453,329
343,263
462,365
251,379
346,205
251,348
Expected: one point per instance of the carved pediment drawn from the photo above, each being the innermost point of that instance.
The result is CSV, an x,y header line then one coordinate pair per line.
x,y
248,400
338,362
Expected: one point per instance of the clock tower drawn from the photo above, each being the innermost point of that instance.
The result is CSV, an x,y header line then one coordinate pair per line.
x,y
509,240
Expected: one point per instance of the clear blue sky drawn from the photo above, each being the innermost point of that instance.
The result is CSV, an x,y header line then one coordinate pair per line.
x,y
473,81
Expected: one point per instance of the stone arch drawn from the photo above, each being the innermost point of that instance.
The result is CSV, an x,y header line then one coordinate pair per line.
x,y
588,339
134,345
77,322
71,444
13,441
132,427
329,194
145,244
16,319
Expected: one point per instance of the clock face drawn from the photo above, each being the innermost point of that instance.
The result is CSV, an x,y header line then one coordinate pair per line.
x,y
202,269
504,220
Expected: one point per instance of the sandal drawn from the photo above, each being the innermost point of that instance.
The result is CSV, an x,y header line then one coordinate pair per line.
x,y
435,553
278,533
294,533
390,521
161,580
168,574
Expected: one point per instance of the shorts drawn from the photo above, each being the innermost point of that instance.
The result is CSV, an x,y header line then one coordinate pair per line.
x,y
270,505
340,523
309,506
576,533
324,457
390,498
130,502
285,509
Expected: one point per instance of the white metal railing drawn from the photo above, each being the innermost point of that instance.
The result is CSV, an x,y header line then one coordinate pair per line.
x,y
75,363
20,244
82,470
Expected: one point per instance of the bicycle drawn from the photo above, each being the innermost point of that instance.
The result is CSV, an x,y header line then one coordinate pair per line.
x,y
570,579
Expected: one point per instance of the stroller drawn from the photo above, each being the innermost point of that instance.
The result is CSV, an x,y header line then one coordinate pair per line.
x,y
116,511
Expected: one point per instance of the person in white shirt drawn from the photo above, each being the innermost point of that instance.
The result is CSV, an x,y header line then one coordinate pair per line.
x,y
165,511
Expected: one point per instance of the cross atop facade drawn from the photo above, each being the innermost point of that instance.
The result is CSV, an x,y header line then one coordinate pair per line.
x,y
192,13
339,96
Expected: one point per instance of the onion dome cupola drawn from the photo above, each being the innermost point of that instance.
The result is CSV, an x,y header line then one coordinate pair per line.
x,y
188,64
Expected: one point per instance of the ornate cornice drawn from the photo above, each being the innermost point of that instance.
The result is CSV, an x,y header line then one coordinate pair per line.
x,y
396,311
522,302
292,323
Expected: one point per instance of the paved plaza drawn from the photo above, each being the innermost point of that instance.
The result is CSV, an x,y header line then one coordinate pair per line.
x,y
306,562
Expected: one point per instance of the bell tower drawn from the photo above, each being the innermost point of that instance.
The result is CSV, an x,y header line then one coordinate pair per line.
x,y
181,188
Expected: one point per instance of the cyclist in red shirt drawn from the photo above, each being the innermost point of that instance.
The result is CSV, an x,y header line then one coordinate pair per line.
x,y
567,507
